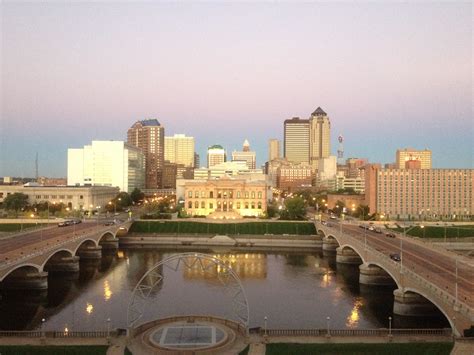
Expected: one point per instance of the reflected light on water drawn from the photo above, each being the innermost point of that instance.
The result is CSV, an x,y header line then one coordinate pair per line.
x,y
353,318
107,291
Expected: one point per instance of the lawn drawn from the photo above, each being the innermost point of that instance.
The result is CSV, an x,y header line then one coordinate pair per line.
x,y
360,349
258,228
14,227
53,350
452,232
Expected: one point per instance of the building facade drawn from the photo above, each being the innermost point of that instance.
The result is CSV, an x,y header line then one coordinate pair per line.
x,y
320,137
407,154
273,149
215,155
246,155
76,198
225,198
420,193
296,140
149,136
179,149
107,163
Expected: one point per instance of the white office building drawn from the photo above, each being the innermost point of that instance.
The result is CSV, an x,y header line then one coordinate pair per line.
x,y
107,163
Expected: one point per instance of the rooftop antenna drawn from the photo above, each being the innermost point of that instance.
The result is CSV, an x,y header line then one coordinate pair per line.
x,y
36,167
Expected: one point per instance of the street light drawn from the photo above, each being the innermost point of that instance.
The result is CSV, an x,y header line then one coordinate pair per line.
x,y
423,227
327,326
265,325
390,326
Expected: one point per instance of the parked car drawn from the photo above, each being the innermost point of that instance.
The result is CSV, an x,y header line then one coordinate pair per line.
x,y
378,230
395,257
63,224
371,228
76,221
390,234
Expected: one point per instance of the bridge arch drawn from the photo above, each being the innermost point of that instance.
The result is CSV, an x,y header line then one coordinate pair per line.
x,y
23,268
62,253
87,243
384,268
107,236
433,302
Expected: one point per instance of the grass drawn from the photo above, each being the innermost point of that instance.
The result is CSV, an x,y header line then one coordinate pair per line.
x,y
257,228
452,232
53,350
14,227
245,351
360,349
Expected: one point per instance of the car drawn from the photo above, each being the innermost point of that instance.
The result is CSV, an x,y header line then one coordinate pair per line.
x,y
63,224
324,223
76,221
395,257
390,234
333,217
111,223
378,230
371,228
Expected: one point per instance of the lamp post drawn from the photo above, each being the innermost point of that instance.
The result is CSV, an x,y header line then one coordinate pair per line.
x,y
108,328
389,326
43,335
327,326
405,231
265,325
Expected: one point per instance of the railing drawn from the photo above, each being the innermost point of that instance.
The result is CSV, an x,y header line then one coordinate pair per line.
x,y
57,334
356,332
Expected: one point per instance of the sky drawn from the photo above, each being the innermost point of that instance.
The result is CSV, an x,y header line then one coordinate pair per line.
x,y
389,74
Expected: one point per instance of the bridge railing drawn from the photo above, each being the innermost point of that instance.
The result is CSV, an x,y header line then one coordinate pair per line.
x,y
397,268
356,332
56,334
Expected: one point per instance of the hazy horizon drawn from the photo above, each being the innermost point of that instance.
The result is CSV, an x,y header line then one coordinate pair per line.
x,y
390,76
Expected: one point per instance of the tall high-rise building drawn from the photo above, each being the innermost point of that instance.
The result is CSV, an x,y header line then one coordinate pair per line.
x,y
404,155
245,155
215,155
197,161
149,136
179,149
320,137
296,140
273,149
106,163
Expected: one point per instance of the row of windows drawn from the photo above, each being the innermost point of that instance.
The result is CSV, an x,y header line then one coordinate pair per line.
x,y
62,197
226,194
238,205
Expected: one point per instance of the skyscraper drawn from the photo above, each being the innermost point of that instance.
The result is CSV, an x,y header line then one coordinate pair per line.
x,y
179,149
215,155
296,140
404,155
320,137
245,155
149,136
273,149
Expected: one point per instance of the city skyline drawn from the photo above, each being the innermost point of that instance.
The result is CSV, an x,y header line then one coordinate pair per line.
x,y
387,82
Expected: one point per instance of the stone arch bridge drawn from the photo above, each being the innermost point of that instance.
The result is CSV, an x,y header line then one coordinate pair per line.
x,y
29,267
414,286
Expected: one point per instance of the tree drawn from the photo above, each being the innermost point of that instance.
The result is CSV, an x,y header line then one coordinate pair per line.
x,y
16,201
137,195
339,207
294,209
362,211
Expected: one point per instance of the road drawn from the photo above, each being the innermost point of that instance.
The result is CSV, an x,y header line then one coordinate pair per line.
x,y
26,242
438,266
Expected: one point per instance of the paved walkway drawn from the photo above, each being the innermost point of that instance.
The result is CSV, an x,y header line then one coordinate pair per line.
x,y
257,349
463,348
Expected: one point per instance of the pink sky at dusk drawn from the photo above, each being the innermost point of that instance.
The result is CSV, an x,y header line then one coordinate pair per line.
x,y
389,75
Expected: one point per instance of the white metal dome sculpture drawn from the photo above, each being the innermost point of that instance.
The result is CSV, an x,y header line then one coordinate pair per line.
x,y
143,291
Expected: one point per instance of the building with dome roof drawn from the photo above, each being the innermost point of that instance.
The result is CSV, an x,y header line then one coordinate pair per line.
x,y
245,155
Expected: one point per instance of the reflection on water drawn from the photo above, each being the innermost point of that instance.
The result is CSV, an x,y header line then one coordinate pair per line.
x,y
293,290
